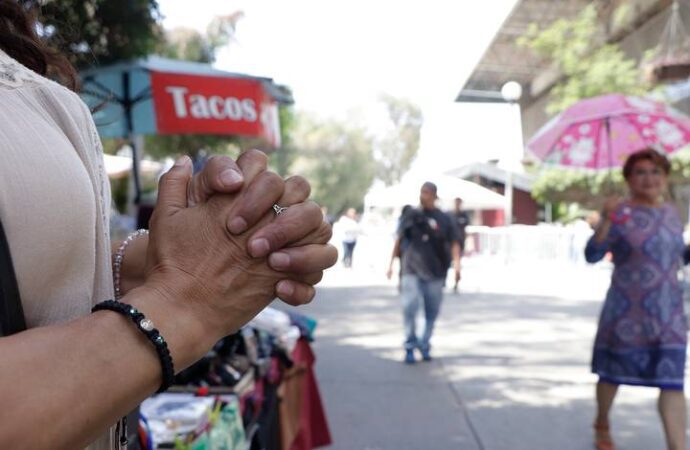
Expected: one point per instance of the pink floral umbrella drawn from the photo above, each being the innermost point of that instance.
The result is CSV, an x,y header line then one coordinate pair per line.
x,y
600,132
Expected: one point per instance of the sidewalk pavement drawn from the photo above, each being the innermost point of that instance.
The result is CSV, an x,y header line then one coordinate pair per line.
x,y
511,370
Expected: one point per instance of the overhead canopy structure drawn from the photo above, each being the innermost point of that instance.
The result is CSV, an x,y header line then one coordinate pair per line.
x,y
494,173
156,95
473,195
504,60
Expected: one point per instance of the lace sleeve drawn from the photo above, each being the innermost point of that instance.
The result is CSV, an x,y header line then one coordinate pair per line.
x,y
97,146
101,180
13,75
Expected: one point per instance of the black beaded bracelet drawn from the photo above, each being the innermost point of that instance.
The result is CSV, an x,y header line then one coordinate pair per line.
x,y
145,326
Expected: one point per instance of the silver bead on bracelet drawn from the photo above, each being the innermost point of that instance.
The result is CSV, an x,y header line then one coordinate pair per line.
x,y
119,258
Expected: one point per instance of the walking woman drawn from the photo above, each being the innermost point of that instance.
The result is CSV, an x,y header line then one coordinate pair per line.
x,y
222,245
642,334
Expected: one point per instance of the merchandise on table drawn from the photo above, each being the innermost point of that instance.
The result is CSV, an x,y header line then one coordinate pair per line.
x,y
255,389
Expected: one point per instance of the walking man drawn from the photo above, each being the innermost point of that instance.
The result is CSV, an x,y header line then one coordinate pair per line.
x,y
432,244
461,219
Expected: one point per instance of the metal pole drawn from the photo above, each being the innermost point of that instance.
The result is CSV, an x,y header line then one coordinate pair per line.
x,y
609,148
508,190
127,105
509,198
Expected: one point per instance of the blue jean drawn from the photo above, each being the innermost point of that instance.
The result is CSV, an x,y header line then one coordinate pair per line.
x,y
415,290
348,251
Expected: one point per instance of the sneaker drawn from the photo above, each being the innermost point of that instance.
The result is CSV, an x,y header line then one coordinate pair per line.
x,y
426,354
409,356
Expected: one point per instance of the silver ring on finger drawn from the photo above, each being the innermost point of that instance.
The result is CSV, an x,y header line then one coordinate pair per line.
x,y
279,209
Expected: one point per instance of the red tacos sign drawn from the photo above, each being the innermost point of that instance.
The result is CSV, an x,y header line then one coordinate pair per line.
x,y
199,104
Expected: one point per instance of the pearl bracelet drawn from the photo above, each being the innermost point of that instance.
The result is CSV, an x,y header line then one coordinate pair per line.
x,y
119,258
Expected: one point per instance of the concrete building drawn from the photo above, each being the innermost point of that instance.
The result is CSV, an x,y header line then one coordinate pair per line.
x,y
636,25
526,210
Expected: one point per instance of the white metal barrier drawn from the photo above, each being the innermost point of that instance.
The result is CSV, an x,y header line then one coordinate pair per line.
x,y
530,243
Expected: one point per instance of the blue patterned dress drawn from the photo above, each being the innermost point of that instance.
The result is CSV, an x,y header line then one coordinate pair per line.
x,y
642,334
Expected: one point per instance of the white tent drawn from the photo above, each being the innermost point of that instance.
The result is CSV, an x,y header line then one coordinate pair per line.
x,y
120,166
473,195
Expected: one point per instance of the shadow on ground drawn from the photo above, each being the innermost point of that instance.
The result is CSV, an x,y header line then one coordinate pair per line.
x,y
511,372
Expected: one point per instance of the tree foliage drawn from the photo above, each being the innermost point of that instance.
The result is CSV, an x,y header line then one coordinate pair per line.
x,y
574,186
284,157
98,32
191,45
163,146
589,188
337,160
397,149
587,69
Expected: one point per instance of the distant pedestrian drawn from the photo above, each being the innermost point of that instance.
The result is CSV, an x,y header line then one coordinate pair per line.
x,y
432,245
399,251
349,227
328,218
642,334
461,219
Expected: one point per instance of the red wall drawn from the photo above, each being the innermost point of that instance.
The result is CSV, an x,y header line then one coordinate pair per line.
x,y
525,211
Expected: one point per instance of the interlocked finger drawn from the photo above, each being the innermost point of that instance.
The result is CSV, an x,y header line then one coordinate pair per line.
x,y
322,235
297,190
304,259
252,163
258,198
294,224
311,279
221,174
295,293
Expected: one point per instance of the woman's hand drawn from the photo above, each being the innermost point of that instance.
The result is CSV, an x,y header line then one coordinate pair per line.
x,y
295,243
610,208
611,205
223,279
302,259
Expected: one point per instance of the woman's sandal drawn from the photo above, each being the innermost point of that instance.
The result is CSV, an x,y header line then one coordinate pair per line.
x,y
605,443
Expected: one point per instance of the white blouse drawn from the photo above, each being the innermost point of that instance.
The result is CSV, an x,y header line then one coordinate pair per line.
x,y
54,199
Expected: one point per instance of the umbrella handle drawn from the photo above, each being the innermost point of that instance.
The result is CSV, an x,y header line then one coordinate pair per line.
x,y
609,150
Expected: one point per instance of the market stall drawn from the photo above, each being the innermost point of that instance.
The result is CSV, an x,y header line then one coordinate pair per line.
x,y
157,95
255,390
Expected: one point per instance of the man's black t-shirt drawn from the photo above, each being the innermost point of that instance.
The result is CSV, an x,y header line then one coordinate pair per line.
x,y
430,234
461,220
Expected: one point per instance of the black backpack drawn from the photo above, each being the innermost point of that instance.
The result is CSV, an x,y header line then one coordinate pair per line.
x,y
417,225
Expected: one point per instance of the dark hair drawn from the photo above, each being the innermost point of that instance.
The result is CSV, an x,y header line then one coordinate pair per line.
x,y
648,154
19,39
431,186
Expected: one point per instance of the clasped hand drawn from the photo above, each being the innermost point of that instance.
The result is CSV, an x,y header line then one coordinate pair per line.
x,y
217,243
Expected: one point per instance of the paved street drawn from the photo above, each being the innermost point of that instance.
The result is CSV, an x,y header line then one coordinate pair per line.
x,y
511,370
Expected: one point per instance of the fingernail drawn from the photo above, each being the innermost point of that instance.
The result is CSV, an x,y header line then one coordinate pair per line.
x,y
229,177
279,261
183,161
237,225
285,288
259,247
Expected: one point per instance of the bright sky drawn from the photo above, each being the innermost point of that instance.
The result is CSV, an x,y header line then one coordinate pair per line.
x,y
340,55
